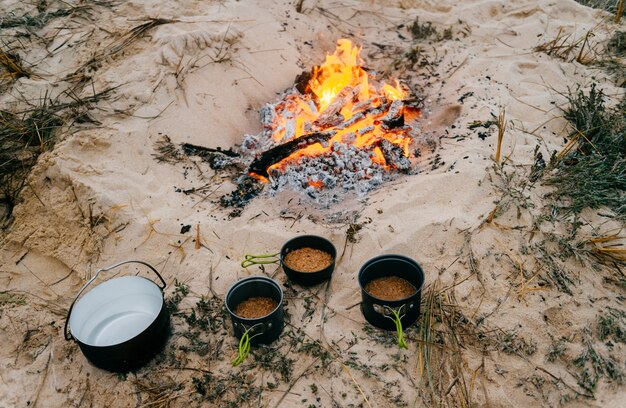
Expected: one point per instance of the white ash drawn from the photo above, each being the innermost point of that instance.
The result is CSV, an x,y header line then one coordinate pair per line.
x,y
219,162
345,168
253,144
290,129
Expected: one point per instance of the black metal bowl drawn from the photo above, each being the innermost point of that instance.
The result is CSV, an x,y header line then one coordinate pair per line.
x,y
378,311
265,329
120,324
310,241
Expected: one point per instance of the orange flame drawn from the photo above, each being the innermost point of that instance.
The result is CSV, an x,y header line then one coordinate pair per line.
x,y
343,99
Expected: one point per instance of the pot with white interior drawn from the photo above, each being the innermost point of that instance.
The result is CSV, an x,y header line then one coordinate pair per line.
x,y
120,324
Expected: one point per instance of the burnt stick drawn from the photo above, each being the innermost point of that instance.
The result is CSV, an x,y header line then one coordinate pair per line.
x,y
272,156
195,150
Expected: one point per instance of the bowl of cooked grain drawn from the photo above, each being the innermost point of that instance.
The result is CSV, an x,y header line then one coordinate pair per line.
x,y
308,259
391,285
255,305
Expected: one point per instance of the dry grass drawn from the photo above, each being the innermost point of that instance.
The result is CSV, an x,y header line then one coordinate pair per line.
x,y
619,11
84,72
564,45
443,329
38,20
611,247
27,133
617,44
501,129
160,393
608,5
612,6
590,171
23,137
13,68
581,54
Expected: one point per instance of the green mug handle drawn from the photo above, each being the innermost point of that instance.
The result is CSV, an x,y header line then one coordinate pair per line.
x,y
263,259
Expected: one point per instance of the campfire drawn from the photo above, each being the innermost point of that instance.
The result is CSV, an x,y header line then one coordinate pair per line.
x,y
338,127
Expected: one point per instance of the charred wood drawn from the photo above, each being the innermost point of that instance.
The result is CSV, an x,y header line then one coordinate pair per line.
x,y
247,189
394,156
217,158
394,117
201,151
276,154
302,81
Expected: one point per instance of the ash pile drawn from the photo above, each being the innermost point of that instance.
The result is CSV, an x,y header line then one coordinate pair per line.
x,y
341,167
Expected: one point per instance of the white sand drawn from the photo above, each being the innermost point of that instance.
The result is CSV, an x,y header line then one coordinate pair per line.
x,y
202,80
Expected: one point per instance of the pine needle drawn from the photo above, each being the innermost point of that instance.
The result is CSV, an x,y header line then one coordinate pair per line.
x,y
619,11
616,251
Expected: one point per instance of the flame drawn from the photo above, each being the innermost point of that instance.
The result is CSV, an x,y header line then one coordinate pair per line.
x,y
338,71
341,89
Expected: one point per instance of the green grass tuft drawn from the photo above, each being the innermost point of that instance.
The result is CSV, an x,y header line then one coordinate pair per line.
x,y
590,172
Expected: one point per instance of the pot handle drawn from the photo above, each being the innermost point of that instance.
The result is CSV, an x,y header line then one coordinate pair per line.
x,y
66,333
257,329
386,311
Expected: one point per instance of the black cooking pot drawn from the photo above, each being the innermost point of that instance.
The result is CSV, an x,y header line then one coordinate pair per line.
x,y
310,241
265,329
120,324
379,312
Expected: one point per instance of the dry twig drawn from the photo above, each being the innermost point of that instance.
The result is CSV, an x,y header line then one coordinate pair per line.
x,y
501,129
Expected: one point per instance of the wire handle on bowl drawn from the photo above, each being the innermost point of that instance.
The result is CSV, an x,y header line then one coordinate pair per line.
x,y
66,333
244,345
263,259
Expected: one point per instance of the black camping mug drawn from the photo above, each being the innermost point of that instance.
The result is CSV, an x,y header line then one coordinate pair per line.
x,y
300,277
310,241
265,329
378,312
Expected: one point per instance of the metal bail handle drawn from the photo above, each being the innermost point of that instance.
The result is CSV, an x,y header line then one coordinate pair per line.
x,y
257,329
386,311
68,336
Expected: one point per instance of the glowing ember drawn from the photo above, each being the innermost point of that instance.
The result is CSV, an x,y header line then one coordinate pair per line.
x,y
342,105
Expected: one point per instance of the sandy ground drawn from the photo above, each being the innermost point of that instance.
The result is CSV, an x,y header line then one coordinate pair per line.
x,y
100,197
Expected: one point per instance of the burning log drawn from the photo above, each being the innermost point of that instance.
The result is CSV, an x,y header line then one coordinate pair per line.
x,y
393,119
329,121
356,118
331,114
276,154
